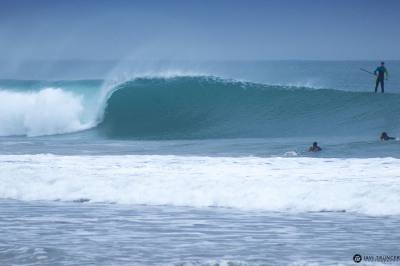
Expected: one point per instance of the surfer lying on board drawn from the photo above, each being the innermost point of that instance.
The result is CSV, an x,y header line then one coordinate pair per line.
x,y
381,73
384,136
315,147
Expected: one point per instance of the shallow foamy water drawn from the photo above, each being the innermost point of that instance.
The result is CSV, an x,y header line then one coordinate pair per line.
x,y
68,233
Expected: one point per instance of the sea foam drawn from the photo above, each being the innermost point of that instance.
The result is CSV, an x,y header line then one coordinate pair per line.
x,y
45,112
367,186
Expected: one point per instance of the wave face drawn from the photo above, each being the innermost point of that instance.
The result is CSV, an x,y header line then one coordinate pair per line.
x,y
206,107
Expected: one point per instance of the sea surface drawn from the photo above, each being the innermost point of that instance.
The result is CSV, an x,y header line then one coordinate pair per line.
x,y
198,163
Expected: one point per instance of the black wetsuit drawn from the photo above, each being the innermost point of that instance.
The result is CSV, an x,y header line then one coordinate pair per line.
x,y
315,148
380,78
386,137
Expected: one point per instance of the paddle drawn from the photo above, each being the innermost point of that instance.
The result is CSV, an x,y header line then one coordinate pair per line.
x,y
369,72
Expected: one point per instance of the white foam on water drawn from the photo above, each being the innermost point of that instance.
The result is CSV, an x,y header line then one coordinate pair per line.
x,y
45,112
291,154
368,186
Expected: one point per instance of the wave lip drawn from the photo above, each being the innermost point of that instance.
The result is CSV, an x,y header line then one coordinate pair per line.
x,y
249,183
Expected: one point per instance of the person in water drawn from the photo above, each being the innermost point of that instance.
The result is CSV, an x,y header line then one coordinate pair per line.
x,y
381,73
384,136
315,147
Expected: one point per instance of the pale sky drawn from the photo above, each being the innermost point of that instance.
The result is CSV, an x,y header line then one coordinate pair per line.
x,y
199,30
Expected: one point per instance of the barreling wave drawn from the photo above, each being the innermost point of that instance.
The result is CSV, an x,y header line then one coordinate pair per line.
x,y
208,107
191,107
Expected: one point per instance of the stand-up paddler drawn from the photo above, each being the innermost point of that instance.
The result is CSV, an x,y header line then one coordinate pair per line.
x,y
381,74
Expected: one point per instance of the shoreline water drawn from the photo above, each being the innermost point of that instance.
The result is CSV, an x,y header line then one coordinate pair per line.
x,y
62,233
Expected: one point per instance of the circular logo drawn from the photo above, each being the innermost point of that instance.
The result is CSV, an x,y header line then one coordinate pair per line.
x,y
357,258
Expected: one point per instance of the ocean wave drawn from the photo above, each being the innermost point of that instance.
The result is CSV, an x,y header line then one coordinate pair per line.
x,y
209,107
180,106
